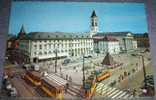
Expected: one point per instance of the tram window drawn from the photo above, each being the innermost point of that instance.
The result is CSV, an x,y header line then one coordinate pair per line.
x,y
59,91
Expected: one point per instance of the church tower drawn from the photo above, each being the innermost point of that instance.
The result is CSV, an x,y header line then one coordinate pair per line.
x,y
94,24
22,32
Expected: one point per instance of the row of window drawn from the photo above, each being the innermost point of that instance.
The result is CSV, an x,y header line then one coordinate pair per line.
x,y
60,41
59,45
54,52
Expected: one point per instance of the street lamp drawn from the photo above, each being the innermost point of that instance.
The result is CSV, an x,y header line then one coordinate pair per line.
x,y
55,60
144,70
83,73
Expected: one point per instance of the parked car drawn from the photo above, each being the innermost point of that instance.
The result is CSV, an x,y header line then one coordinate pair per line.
x,y
26,66
36,67
88,56
133,54
66,61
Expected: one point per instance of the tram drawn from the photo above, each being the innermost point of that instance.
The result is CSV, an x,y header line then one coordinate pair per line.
x,y
90,87
53,86
34,77
102,76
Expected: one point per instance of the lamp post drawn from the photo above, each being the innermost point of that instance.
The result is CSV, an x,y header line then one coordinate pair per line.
x,y
83,73
144,70
56,61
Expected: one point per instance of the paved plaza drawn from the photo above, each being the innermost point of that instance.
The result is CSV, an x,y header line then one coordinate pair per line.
x,y
131,64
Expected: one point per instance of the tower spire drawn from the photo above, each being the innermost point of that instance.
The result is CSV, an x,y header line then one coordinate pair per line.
x,y
22,32
93,24
22,29
93,14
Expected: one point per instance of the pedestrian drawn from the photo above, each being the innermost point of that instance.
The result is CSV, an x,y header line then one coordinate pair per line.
x,y
60,69
70,79
134,92
66,77
66,87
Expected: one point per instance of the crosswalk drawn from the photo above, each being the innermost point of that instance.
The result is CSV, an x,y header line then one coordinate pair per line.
x,y
111,92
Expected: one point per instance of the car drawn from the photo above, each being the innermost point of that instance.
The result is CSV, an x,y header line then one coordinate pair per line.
x,y
89,56
133,54
66,61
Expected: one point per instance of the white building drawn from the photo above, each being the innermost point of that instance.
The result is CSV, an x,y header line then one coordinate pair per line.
x,y
126,39
106,44
130,43
43,46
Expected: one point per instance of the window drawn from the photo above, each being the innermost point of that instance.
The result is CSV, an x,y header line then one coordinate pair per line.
x,y
45,46
49,45
34,53
95,24
92,23
35,46
40,53
40,46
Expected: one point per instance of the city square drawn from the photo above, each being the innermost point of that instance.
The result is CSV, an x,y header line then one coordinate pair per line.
x,y
60,65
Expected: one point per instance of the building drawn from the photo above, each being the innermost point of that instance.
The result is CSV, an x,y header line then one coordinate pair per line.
x,y
129,42
125,40
142,40
105,44
39,46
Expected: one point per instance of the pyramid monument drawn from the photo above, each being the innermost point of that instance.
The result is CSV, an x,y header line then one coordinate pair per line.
x,y
108,60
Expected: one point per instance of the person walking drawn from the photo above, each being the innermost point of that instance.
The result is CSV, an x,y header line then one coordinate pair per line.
x,y
66,87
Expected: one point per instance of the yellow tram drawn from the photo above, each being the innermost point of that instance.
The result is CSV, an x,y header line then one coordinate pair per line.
x,y
103,75
90,87
34,77
53,86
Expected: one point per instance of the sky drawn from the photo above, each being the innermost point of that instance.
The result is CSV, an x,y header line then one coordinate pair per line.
x,y
75,17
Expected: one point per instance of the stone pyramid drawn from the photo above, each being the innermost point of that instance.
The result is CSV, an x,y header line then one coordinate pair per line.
x,y
108,60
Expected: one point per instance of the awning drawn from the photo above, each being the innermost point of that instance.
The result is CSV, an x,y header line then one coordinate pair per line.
x,y
52,56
